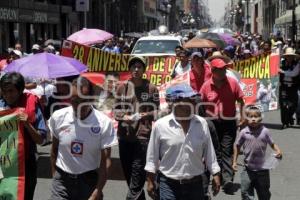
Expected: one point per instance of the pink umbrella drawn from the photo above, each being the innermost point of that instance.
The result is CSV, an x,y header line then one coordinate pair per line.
x,y
90,36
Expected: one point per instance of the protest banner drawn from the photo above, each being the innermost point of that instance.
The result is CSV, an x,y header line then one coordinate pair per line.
x,y
94,58
184,78
158,67
12,157
259,77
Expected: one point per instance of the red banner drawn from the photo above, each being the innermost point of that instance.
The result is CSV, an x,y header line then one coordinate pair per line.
x,y
95,59
158,67
260,79
258,75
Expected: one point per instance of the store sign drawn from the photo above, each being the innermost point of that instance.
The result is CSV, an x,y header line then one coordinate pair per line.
x,y
25,15
39,17
8,14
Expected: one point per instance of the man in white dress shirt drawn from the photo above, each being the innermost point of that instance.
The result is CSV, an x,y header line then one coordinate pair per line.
x,y
178,145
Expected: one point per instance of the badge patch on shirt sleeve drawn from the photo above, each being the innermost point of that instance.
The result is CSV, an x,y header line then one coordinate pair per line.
x,y
95,130
77,148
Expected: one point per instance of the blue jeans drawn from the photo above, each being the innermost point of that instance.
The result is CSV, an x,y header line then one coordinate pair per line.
x,y
258,180
172,190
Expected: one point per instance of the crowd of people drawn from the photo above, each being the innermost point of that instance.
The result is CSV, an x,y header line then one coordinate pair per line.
x,y
176,150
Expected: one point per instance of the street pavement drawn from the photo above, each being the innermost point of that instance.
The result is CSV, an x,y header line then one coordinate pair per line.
x,y
285,179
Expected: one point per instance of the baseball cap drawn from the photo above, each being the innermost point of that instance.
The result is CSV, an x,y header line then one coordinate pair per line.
x,y
135,59
247,51
9,50
51,47
229,49
35,47
218,63
95,78
258,36
17,52
179,47
199,54
181,90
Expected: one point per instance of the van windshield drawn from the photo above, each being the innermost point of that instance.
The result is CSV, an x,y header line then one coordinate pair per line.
x,y
155,46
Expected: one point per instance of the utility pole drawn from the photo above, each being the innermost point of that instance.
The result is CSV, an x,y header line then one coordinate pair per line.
x,y
83,6
85,19
247,25
61,20
105,16
294,26
172,16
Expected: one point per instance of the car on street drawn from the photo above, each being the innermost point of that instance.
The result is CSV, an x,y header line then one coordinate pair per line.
x,y
156,45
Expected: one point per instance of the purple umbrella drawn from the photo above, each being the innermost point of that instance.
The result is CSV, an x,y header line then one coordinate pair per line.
x,y
90,36
46,65
228,39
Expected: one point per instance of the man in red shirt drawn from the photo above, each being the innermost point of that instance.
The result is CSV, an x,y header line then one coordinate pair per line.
x,y
222,93
200,71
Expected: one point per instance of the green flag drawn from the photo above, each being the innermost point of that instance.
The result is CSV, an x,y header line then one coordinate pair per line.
x,y
12,157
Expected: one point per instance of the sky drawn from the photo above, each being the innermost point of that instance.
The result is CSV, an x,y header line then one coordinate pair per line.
x,y
217,8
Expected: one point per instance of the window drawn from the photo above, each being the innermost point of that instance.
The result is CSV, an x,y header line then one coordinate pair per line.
x,y
155,46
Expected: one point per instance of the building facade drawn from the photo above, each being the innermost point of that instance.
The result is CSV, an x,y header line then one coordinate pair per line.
x,y
27,21
283,23
256,17
123,16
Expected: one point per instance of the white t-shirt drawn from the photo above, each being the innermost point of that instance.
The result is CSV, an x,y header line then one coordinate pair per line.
x,y
46,89
179,70
81,141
